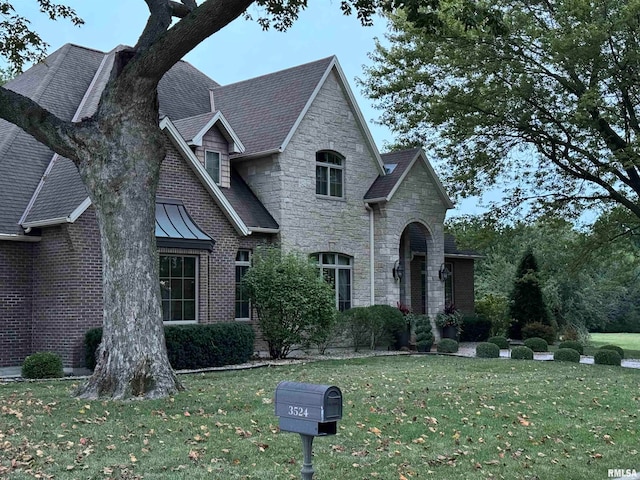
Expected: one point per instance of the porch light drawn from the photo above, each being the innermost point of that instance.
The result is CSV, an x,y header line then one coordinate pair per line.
x,y
398,270
443,273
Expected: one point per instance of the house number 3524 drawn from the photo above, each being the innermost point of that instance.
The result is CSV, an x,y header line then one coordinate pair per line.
x,y
298,411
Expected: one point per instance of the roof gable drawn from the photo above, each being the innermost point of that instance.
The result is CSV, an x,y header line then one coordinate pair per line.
x,y
193,129
384,187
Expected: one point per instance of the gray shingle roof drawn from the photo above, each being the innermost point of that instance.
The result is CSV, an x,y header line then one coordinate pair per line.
x,y
383,185
247,205
58,84
189,127
418,243
263,110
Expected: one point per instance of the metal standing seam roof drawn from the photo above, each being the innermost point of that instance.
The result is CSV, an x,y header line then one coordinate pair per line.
x,y
176,229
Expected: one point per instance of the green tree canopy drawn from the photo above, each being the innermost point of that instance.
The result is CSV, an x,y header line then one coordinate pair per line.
x,y
546,107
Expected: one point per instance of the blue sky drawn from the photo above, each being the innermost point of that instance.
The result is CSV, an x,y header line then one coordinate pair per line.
x,y
241,50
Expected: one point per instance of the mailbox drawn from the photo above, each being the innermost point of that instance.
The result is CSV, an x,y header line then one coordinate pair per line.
x,y
307,408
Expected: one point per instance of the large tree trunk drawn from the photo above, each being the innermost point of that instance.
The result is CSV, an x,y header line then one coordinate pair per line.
x,y
121,174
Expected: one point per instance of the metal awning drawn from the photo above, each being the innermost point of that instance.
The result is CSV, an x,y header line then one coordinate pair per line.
x,y
176,229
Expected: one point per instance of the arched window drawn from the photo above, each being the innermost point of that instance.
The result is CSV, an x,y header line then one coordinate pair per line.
x,y
337,269
329,174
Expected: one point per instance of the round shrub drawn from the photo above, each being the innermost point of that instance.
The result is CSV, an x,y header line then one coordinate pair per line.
x,y
42,365
447,345
607,357
522,353
501,342
537,344
577,346
567,355
487,350
615,348
540,330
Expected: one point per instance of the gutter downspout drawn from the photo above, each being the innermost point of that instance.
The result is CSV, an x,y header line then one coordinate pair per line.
x,y
372,258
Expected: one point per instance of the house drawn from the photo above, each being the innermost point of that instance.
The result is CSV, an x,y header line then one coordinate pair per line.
x,y
285,157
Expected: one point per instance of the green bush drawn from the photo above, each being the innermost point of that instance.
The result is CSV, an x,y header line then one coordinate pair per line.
x,y
294,305
537,329
447,345
373,326
42,365
615,348
195,346
475,328
537,344
567,355
424,332
577,346
499,341
487,350
496,309
607,357
522,353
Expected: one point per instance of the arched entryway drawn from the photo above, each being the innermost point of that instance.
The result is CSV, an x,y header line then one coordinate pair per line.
x,y
413,255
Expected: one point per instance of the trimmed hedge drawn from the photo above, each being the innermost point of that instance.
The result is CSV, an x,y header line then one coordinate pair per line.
x,y
424,332
194,346
522,353
537,344
567,355
577,346
615,348
501,342
42,365
487,350
475,328
447,345
607,357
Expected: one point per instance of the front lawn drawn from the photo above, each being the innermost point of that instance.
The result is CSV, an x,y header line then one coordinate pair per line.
x,y
630,342
404,417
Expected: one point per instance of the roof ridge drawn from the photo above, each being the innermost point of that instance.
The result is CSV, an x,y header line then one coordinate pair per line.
x,y
326,59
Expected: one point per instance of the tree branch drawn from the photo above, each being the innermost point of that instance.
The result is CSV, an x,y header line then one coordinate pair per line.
x,y
40,123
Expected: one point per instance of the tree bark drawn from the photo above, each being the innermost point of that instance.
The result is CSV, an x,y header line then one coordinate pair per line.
x,y
121,171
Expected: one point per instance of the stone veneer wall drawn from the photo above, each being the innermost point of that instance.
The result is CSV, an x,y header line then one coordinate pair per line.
x,y
16,261
310,223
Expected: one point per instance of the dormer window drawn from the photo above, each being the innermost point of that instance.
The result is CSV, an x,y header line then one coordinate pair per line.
x,y
329,174
212,165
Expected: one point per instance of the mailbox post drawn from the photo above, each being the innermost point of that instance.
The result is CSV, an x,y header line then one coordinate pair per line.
x,y
308,409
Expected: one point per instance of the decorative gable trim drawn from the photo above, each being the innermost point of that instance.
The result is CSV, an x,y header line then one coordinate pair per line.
x,y
167,125
440,189
228,132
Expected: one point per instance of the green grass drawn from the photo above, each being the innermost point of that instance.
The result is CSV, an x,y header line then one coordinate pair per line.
x,y
407,416
630,342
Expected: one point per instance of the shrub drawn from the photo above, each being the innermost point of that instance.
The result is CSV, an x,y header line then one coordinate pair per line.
x,y
487,350
567,355
424,332
42,365
522,353
195,346
537,344
499,341
302,312
607,357
577,346
393,325
615,348
537,329
475,328
373,326
495,308
447,345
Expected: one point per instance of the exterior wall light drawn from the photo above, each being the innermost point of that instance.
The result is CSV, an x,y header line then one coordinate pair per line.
x,y
443,273
398,270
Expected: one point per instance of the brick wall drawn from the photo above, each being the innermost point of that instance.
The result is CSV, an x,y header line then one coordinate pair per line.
x,y
463,287
15,301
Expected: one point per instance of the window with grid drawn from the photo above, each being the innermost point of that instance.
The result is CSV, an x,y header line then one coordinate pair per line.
x,y
329,174
178,279
243,307
337,270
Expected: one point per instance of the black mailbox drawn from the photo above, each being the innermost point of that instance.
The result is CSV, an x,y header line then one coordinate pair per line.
x,y
308,408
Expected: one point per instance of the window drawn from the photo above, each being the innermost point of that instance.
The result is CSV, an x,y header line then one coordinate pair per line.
x,y
243,307
337,270
448,285
212,164
329,169
178,286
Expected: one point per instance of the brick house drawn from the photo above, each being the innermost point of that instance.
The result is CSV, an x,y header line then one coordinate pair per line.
x,y
284,157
